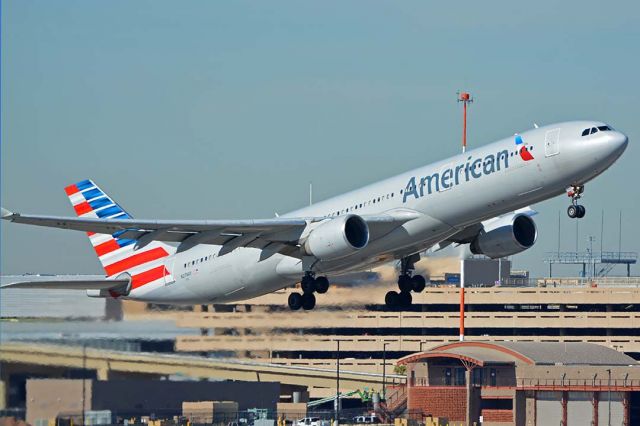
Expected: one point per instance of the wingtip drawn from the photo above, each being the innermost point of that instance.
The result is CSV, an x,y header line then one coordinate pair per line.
x,y
5,213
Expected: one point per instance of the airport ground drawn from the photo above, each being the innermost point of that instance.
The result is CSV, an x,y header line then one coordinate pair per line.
x,y
262,342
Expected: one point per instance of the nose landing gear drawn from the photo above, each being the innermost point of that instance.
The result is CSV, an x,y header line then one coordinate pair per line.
x,y
307,300
407,282
576,210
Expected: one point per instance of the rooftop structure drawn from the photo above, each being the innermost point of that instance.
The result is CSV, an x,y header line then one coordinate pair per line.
x,y
514,383
600,263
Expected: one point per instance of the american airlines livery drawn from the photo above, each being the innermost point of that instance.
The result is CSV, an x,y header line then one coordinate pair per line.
x,y
479,197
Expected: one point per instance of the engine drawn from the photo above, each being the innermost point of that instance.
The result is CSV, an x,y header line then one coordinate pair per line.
x,y
505,236
337,238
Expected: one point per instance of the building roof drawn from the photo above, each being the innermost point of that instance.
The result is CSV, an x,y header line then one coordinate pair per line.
x,y
532,353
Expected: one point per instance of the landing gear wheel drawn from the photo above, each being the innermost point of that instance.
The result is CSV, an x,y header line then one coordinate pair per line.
x,y
308,301
575,210
322,285
308,284
404,282
405,299
295,301
392,299
418,283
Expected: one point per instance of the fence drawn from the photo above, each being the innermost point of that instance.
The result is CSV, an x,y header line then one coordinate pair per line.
x,y
257,417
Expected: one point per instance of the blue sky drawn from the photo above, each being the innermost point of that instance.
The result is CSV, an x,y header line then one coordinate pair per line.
x,y
228,109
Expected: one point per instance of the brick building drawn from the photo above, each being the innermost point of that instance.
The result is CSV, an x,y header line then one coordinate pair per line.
x,y
518,383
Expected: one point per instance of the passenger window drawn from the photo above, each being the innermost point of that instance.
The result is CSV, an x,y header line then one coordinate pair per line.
x,y
585,132
593,130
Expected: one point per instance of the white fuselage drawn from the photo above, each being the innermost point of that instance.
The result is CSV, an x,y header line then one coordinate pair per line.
x,y
449,195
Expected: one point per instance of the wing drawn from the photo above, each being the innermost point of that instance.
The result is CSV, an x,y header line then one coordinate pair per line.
x,y
69,282
284,232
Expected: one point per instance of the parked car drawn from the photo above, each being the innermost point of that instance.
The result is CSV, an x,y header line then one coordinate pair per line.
x,y
370,419
309,421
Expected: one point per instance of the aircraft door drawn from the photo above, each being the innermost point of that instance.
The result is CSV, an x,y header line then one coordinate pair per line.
x,y
552,142
170,265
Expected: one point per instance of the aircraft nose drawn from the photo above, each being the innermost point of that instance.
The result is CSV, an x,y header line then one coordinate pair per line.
x,y
618,142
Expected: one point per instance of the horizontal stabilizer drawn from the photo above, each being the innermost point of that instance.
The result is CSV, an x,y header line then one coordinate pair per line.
x,y
68,282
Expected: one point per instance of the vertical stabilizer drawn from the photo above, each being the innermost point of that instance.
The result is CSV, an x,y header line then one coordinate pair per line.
x,y
146,266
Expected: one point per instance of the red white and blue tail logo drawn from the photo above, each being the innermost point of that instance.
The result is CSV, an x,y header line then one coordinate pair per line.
x,y
146,266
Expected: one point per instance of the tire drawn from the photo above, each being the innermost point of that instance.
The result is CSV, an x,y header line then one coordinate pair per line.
x,y
405,299
392,299
308,301
572,211
418,283
308,284
404,282
322,285
581,211
295,301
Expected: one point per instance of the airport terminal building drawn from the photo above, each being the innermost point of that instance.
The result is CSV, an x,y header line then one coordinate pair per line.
x,y
518,383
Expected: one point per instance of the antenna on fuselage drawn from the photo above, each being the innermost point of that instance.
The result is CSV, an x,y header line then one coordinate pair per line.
x,y
466,99
310,193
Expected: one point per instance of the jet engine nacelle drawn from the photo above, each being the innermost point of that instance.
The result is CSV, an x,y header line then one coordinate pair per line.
x,y
337,238
505,236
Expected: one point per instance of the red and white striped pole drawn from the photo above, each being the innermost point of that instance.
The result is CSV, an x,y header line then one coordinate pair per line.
x,y
466,99
462,300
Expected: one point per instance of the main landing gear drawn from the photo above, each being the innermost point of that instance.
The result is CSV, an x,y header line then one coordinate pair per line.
x,y
407,282
309,284
576,210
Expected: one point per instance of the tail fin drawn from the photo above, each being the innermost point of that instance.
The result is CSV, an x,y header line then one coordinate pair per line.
x,y
117,255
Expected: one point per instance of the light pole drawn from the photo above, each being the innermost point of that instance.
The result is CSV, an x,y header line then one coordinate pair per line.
x,y
591,257
337,406
609,402
384,371
84,379
337,402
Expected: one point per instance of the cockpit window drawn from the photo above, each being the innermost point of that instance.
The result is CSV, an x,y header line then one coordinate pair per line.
x,y
593,130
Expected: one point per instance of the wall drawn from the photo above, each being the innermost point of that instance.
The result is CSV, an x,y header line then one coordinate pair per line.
x,y
164,397
449,402
46,398
497,416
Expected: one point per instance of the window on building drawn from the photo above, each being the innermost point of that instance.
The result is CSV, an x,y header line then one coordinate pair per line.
x,y
447,376
478,376
460,376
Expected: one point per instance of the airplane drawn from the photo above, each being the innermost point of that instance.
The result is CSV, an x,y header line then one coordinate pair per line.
x,y
479,197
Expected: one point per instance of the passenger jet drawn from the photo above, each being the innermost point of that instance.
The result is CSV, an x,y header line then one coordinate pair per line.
x,y
479,197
